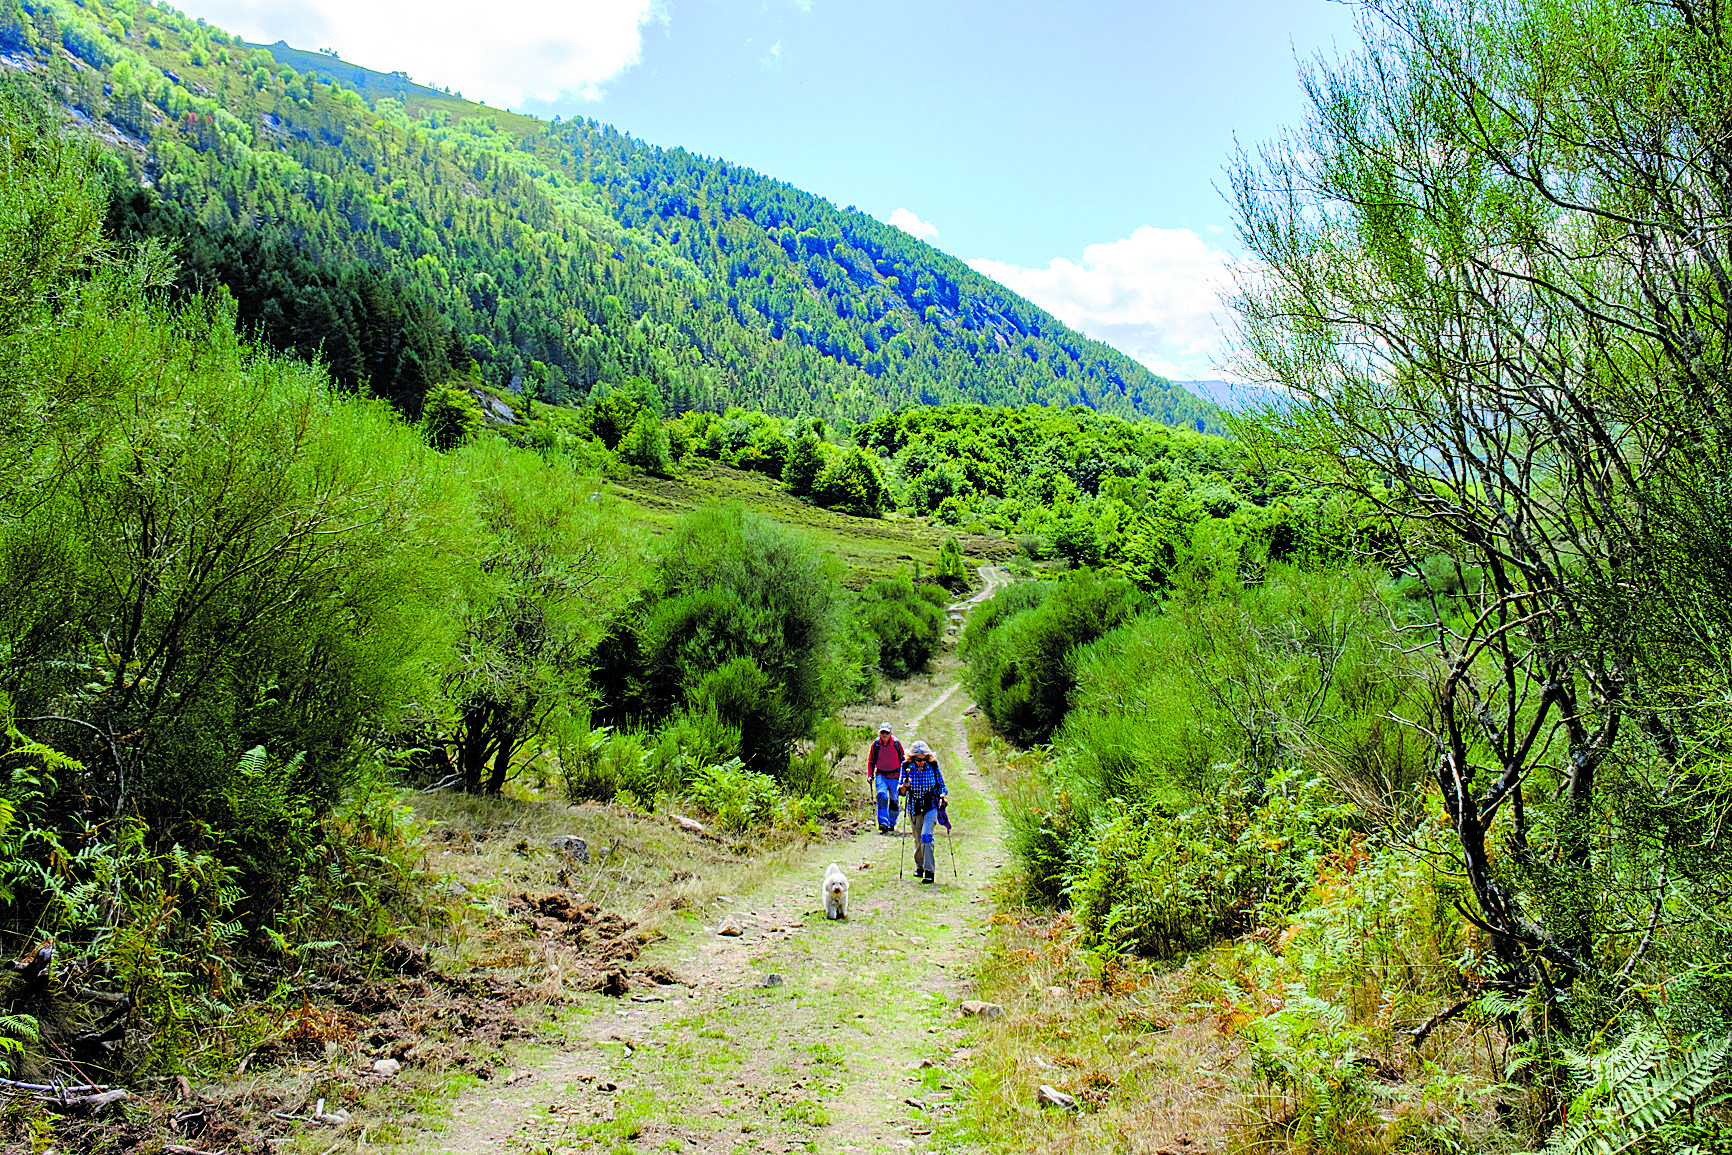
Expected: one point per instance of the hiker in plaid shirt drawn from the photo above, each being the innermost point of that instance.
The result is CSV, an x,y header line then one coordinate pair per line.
x,y
923,782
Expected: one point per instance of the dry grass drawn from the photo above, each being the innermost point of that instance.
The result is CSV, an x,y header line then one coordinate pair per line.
x,y
1142,1049
644,866
1152,1068
1157,1054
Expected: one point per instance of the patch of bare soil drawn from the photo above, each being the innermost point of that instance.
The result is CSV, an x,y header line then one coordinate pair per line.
x,y
783,1030
345,1051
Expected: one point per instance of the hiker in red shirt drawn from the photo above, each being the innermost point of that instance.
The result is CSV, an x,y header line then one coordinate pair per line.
x,y
884,764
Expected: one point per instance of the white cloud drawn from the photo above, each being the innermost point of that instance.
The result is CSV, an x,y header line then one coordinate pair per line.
x,y
1154,295
913,225
506,53
771,60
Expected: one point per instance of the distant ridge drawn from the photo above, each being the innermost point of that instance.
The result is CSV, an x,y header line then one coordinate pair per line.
x,y
1232,396
564,259
334,70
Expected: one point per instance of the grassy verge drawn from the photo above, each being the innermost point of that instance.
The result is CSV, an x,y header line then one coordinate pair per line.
x,y
872,548
1222,1050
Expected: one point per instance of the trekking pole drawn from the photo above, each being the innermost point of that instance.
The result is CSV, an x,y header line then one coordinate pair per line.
x,y
901,850
950,837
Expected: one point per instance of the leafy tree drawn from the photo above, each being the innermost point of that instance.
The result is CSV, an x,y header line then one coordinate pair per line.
x,y
451,417
613,417
852,484
1492,277
950,571
648,448
800,471
1075,540
556,564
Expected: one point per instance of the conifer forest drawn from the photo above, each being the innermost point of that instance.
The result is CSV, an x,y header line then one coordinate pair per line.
x,y
453,566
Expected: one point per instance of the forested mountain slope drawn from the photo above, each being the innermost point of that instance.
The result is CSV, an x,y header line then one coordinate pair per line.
x,y
559,256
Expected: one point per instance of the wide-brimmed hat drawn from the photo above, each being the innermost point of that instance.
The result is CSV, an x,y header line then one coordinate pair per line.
x,y
922,748
884,728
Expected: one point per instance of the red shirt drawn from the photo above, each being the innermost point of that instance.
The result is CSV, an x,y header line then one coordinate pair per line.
x,y
885,758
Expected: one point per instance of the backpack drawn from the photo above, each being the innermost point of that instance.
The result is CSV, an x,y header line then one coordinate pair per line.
x,y
872,755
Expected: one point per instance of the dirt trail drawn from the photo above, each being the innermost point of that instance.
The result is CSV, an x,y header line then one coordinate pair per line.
x,y
801,1033
996,578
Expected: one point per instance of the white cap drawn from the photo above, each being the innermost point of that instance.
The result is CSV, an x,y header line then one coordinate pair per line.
x,y
922,748
884,728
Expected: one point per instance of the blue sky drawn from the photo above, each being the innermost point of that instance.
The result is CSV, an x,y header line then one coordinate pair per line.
x,y
1073,151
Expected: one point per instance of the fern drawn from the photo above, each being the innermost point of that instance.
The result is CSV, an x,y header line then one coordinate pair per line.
x,y
15,1032
254,762
1634,1092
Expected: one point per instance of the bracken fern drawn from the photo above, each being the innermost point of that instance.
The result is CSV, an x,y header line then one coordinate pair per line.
x,y
1636,1093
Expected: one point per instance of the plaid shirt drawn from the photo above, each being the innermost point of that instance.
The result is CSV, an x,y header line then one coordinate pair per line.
x,y
922,777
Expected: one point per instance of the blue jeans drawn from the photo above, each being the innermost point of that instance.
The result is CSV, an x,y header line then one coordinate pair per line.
x,y
923,854
888,807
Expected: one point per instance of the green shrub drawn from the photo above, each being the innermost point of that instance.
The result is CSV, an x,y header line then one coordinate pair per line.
x,y
1022,662
627,761
1142,880
451,417
1045,819
579,749
1381,936
741,692
699,736
814,789
743,617
950,571
907,620
737,798
647,447
994,612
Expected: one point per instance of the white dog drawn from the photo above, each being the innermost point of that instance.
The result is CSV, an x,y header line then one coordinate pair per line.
x,y
835,892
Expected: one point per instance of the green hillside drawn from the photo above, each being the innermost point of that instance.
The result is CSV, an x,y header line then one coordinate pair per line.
x,y
558,256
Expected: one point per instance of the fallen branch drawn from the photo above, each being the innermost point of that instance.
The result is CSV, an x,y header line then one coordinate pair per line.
x,y
1418,1037
333,1119
52,1089
92,1105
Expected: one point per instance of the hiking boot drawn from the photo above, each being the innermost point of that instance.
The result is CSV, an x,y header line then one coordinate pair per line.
x,y
926,876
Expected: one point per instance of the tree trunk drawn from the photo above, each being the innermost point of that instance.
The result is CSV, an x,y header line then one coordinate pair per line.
x,y
501,764
474,745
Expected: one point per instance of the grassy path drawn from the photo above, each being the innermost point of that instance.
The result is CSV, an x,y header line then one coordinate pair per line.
x,y
801,1033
